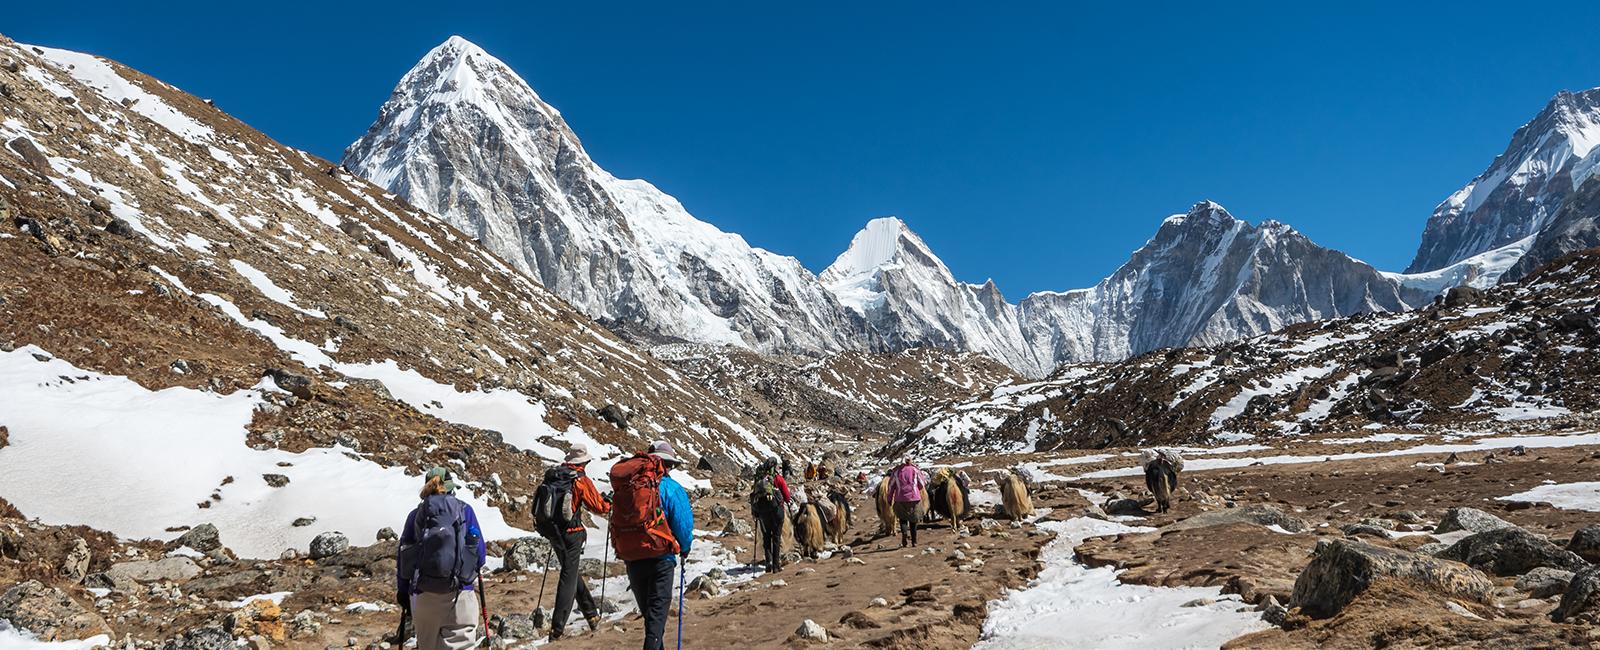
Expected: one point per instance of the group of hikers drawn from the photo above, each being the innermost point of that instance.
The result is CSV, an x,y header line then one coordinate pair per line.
x,y
442,551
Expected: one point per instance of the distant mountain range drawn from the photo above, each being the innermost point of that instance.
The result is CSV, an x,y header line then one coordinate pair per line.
x,y
464,137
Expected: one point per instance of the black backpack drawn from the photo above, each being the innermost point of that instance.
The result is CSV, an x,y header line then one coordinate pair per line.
x,y
553,512
444,557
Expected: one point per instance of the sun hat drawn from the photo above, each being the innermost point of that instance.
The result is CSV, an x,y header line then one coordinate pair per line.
x,y
578,455
442,473
663,450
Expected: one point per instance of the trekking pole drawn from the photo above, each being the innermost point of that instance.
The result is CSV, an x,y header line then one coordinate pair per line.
x,y
545,575
605,567
683,573
483,612
755,551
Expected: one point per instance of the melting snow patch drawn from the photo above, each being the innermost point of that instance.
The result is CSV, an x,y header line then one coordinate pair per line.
x,y
14,639
271,289
134,462
1073,606
1568,496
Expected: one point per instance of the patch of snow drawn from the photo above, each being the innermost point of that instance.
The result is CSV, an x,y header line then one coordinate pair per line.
x,y
1568,496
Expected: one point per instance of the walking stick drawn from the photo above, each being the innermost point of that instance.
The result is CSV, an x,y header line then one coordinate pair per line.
x,y
605,567
483,612
545,575
683,573
759,545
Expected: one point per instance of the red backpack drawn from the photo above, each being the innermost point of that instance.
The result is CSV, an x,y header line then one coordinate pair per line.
x,y
639,528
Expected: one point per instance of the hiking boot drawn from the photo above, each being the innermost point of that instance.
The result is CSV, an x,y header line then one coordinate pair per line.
x,y
593,620
555,635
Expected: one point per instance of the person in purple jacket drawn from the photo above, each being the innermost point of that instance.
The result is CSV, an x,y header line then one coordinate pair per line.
x,y
441,551
905,490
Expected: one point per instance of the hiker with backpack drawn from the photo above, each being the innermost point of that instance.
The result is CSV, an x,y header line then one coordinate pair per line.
x,y
441,552
557,505
769,497
905,489
651,531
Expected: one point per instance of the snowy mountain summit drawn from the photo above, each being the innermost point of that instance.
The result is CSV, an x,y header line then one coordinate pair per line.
x,y
466,138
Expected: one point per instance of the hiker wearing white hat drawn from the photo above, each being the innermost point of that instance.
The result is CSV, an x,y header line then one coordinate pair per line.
x,y
557,515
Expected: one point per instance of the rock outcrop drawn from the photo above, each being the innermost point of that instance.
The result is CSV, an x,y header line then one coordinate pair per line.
x,y
1341,570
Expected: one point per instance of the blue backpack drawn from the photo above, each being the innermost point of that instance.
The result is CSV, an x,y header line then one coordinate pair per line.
x,y
444,557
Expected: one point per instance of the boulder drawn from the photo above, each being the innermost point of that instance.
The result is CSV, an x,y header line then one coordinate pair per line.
x,y
1127,506
304,625
75,566
1581,602
170,569
1470,519
1511,552
1340,570
736,528
1256,513
48,612
204,638
1586,543
1544,582
593,567
275,480
328,544
811,631
1462,296
718,465
387,534
720,512
527,553
297,385
203,538
259,617
518,626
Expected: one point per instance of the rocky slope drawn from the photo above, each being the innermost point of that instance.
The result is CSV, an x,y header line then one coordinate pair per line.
x,y
1517,351
465,138
235,309
1517,196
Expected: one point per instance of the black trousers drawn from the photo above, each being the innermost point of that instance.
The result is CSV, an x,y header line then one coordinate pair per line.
x,y
569,551
651,584
771,534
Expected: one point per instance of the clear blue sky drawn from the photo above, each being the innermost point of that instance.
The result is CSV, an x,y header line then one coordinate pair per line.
x,y
1038,144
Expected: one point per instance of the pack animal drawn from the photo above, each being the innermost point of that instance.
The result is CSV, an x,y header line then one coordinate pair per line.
x,y
1014,495
840,523
809,531
1161,475
950,496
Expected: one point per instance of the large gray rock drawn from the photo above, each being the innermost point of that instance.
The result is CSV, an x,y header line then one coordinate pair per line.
x,y
1470,519
1257,513
520,626
1511,552
1340,570
205,638
527,553
48,612
1586,543
328,544
1545,582
811,631
203,538
75,566
170,569
1581,602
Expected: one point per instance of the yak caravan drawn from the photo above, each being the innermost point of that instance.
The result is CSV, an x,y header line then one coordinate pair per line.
x,y
445,382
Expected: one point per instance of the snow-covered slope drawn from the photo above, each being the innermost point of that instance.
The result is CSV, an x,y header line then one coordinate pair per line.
x,y
464,137
1512,201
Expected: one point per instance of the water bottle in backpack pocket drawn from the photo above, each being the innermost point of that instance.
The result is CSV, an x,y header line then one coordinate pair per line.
x,y
444,557
553,511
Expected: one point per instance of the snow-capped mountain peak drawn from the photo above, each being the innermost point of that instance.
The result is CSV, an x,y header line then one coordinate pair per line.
x,y
466,138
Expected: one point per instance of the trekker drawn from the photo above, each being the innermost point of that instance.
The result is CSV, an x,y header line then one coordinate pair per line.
x,y
905,489
557,508
769,498
440,554
651,531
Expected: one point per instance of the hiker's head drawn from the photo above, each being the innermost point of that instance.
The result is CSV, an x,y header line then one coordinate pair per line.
x,y
438,481
578,455
905,460
663,450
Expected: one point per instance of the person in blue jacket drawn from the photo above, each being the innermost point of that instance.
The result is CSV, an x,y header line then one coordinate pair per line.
x,y
651,580
443,621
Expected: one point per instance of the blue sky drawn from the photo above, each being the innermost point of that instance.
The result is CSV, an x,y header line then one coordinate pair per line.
x,y
1037,144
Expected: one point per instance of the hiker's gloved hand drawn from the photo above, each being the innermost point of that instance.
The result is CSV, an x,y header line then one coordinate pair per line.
x,y
402,599
606,496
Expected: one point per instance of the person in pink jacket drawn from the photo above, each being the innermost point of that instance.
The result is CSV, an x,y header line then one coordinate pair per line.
x,y
905,490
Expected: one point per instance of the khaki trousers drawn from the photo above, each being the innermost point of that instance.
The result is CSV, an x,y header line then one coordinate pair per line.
x,y
445,621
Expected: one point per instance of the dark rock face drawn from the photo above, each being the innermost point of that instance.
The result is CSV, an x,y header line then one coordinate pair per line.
x,y
1586,543
1581,602
1511,552
1341,570
1574,227
1545,582
203,538
48,612
328,544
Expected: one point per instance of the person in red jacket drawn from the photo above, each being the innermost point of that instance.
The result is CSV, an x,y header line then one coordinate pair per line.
x,y
769,498
568,544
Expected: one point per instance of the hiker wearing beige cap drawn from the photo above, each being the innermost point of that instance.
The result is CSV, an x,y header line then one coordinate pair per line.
x,y
557,508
